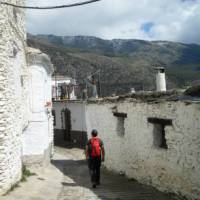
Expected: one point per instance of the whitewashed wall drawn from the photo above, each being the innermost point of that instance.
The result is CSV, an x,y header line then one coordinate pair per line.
x,y
38,136
77,110
13,93
175,169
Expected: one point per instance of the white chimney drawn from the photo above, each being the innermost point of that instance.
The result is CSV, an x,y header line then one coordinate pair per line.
x,y
160,79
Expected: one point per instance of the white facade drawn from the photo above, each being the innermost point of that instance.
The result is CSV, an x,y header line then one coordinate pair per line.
x,y
13,93
26,128
77,110
76,121
133,143
38,136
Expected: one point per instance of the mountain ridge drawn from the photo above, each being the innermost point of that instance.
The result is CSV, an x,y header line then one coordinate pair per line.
x,y
130,61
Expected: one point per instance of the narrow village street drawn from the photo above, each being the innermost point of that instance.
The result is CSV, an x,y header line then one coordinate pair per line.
x,y
123,78
67,179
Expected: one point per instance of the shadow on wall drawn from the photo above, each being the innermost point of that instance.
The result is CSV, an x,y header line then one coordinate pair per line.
x,y
77,139
112,186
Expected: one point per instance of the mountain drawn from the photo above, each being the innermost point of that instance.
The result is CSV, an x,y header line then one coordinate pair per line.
x,y
124,64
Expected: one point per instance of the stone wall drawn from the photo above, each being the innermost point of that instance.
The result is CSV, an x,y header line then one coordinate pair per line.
x,y
13,93
132,134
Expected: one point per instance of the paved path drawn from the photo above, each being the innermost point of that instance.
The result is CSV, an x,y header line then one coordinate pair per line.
x,y
76,184
67,179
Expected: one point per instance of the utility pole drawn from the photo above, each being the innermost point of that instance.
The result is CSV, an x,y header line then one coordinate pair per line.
x,y
93,83
56,84
99,81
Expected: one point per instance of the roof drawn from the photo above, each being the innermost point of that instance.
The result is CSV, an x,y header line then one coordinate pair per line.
x,y
61,77
150,97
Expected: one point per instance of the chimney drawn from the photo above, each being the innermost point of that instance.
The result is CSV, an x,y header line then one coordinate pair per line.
x,y
160,79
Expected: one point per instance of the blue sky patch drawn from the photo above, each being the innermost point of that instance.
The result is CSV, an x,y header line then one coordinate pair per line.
x,y
146,27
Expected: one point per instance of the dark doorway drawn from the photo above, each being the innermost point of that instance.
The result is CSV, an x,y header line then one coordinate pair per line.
x,y
66,123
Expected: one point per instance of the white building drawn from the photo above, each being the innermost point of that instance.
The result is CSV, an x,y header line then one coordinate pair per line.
x,y
69,121
13,92
151,137
25,94
38,135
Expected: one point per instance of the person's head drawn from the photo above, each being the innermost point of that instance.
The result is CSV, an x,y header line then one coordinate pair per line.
x,y
94,133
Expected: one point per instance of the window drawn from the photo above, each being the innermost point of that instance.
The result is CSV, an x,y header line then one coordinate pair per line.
x,y
120,123
159,138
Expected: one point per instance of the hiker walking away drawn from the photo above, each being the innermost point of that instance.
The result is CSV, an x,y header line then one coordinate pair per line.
x,y
95,154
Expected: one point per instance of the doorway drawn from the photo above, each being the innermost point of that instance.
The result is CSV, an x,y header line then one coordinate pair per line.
x,y
66,124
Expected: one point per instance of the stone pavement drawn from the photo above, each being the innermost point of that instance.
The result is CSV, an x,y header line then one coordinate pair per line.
x,y
67,179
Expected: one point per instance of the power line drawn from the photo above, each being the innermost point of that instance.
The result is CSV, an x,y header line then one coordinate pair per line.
x,y
50,7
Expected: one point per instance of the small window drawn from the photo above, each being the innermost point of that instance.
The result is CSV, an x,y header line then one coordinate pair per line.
x,y
159,138
120,123
54,117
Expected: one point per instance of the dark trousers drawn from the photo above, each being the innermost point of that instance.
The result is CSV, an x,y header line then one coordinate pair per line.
x,y
94,168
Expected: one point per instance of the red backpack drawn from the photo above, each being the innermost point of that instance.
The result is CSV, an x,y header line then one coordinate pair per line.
x,y
95,147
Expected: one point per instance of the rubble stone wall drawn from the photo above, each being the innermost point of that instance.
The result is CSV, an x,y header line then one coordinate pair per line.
x,y
132,147
13,92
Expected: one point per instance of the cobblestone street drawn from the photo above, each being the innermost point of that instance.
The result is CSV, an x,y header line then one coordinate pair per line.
x,y
67,179
76,183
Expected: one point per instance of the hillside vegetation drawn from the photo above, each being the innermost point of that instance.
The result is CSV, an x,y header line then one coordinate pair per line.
x,y
124,64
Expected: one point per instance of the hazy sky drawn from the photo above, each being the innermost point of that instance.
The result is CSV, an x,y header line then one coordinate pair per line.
x,y
175,20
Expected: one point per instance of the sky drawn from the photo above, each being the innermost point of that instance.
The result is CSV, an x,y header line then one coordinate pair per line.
x,y
172,20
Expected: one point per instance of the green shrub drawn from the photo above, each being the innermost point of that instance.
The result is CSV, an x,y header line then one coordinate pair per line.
x,y
26,173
